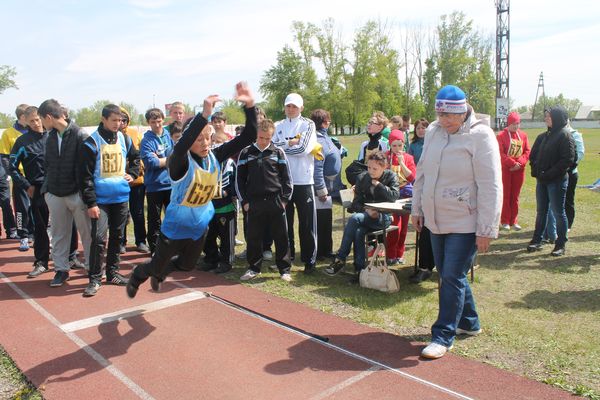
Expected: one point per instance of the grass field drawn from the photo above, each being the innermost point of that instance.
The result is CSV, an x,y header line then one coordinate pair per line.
x,y
540,314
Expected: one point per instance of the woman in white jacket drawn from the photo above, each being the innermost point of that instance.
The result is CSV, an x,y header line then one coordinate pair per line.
x,y
457,194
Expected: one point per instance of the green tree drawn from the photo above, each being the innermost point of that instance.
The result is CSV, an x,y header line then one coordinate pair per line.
x,y
134,115
430,87
387,70
234,113
7,73
6,120
571,105
283,78
89,116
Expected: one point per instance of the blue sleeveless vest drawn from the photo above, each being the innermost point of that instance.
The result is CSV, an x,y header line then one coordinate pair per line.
x,y
109,182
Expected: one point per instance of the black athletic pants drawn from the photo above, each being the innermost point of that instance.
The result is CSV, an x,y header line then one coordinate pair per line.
x,y
303,199
570,198
157,201
41,249
222,226
113,218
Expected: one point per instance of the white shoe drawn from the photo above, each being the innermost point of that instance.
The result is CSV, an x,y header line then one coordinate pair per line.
x,y
249,275
434,351
286,277
267,255
460,331
505,227
517,227
238,242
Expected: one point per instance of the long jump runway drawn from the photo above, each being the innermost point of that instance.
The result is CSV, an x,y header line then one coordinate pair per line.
x,y
203,337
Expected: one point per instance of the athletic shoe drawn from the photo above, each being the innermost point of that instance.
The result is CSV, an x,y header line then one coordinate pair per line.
x,y
38,268
460,331
74,263
24,244
558,251
505,227
155,283
517,227
434,351
122,249
238,242
273,267
117,279
91,289
60,277
534,247
242,255
420,276
309,268
30,240
267,255
13,236
401,261
206,266
249,275
142,248
223,268
336,266
286,277
392,261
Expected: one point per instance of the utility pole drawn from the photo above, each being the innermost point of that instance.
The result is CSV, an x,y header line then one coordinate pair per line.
x,y
502,61
543,97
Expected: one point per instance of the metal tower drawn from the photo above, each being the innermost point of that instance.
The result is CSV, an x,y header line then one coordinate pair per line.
x,y
537,96
502,61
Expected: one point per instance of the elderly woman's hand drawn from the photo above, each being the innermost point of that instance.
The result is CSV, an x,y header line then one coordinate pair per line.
x,y
483,244
417,222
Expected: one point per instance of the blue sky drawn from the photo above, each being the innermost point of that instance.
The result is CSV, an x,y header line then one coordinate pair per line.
x,y
164,50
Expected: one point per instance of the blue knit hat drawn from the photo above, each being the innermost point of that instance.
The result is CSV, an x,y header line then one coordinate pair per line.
x,y
451,99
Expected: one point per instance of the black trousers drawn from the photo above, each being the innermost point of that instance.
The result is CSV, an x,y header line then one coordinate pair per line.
x,y
267,212
425,251
570,198
267,237
157,201
8,216
41,249
23,212
222,226
163,262
113,218
324,232
137,196
303,199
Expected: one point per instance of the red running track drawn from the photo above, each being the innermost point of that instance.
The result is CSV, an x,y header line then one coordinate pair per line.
x,y
181,343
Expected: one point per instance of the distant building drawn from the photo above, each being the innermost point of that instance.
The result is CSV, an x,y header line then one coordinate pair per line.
x,y
588,112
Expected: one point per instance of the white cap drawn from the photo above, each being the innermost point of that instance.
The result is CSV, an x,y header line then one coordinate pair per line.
x,y
295,99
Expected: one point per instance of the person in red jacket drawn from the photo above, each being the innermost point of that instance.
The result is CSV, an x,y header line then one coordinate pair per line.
x,y
514,154
403,164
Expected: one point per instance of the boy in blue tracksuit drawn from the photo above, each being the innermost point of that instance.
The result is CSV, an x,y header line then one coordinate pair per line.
x,y
110,162
156,146
194,171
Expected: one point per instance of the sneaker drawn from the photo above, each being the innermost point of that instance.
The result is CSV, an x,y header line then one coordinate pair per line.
x,y
249,275
392,261
548,241
273,267
155,283
309,268
122,249
24,244
60,277
336,266
505,227
286,277
558,251
238,242
74,263
30,240
206,266
132,287
534,247
223,268
117,279
13,236
142,248
401,261
435,351
460,331
420,276
267,255
91,289
242,255
38,268
517,227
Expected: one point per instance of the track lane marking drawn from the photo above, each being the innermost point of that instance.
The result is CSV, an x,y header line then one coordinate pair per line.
x,y
343,385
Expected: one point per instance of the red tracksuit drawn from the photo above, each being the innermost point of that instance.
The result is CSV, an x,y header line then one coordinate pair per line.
x,y
396,239
514,148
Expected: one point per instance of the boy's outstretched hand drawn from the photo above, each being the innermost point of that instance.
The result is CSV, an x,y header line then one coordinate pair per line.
x,y
244,94
209,104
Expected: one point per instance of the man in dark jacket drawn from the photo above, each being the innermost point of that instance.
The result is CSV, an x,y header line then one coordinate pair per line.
x,y
61,186
109,163
552,155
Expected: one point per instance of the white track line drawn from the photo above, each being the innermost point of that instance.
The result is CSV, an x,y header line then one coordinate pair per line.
x,y
114,371
131,312
343,385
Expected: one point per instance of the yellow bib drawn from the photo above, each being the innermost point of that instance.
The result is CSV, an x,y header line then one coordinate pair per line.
x,y
111,160
516,148
204,187
401,178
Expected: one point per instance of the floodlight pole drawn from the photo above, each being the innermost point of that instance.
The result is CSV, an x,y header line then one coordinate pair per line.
x,y
502,61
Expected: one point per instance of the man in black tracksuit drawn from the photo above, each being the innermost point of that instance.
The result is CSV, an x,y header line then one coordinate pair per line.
x,y
29,151
264,189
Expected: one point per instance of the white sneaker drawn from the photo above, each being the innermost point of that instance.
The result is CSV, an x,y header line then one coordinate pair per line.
x,y
286,277
249,275
434,351
505,227
460,331
267,255
517,227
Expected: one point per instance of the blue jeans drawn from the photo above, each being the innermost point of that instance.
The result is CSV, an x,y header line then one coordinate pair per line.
x,y
551,196
550,232
454,254
359,224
